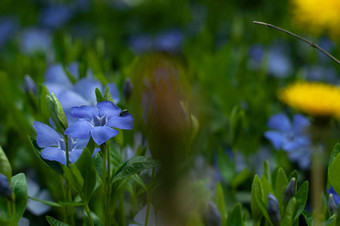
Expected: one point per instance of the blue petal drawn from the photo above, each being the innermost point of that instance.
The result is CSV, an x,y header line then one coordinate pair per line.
x,y
121,122
275,137
280,122
75,154
79,143
69,99
298,142
54,154
80,129
300,123
101,134
84,112
56,75
107,108
46,136
87,87
114,92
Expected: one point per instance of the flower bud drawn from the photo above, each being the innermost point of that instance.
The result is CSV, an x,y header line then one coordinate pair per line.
x,y
289,191
331,205
30,86
273,210
128,87
5,189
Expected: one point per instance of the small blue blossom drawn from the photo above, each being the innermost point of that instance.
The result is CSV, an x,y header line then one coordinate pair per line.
x,y
8,27
5,189
55,16
291,137
35,40
335,195
255,57
97,122
279,64
54,146
167,41
320,74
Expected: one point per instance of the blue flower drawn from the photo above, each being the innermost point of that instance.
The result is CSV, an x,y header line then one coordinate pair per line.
x,y
279,64
5,189
35,40
54,147
79,94
55,16
290,137
97,122
8,27
335,195
167,41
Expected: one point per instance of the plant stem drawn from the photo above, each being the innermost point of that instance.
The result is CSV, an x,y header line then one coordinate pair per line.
x,y
103,148
108,183
149,201
87,209
68,210
312,44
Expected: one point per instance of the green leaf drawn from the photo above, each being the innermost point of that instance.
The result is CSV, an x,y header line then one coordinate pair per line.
x,y
225,166
57,113
68,203
74,177
335,152
49,203
86,166
134,165
266,170
256,190
55,222
240,178
235,216
107,95
56,166
333,173
301,197
288,218
281,184
221,202
263,208
99,96
42,104
5,166
308,217
19,188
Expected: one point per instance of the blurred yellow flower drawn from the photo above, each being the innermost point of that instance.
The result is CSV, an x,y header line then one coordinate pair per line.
x,y
314,98
318,15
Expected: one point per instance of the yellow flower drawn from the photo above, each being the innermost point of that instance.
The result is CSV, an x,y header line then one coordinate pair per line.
x,y
314,98
318,15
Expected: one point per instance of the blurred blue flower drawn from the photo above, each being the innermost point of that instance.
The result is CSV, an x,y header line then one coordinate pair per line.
x,y
35,40
5,189
320,74
255,53
335,195
54,146
97,122
55,16
79,94
279,64
167,41
33,190
29,85
291,137
8,27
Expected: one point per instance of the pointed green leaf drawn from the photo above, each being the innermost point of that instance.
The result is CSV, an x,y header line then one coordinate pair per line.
x,y
134,165
86,166
256,190
308,217
333,173
5,166
49,203
281,184
288,218
107,95
19,188
301,197
74,177
55,222
221,202
235,216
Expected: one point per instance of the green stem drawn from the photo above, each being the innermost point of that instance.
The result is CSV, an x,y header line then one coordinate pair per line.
x,y
105,185
68,210
87,209
108,184
149,201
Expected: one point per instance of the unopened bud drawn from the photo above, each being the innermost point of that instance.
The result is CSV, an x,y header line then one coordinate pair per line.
x,y
273,210
128,87
5,189
289,191
331,204
30,86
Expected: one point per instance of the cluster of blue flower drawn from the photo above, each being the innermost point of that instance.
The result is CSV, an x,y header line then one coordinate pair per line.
x,y
86,118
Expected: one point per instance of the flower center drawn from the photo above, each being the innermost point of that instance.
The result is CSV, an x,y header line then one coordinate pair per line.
x,y
99,121
61,144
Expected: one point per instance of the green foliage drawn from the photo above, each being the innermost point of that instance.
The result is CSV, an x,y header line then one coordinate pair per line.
x,y
55,222
57,113
19,188
235,216
334,169
5,167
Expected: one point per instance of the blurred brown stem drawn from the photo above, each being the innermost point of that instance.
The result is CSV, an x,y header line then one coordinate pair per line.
x,y
312,44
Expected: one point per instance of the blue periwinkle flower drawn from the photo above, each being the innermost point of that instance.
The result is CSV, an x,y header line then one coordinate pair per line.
x,y
5,189
35,40
336,197
278,63
8,27
54,146
291,137
97,122
55,16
